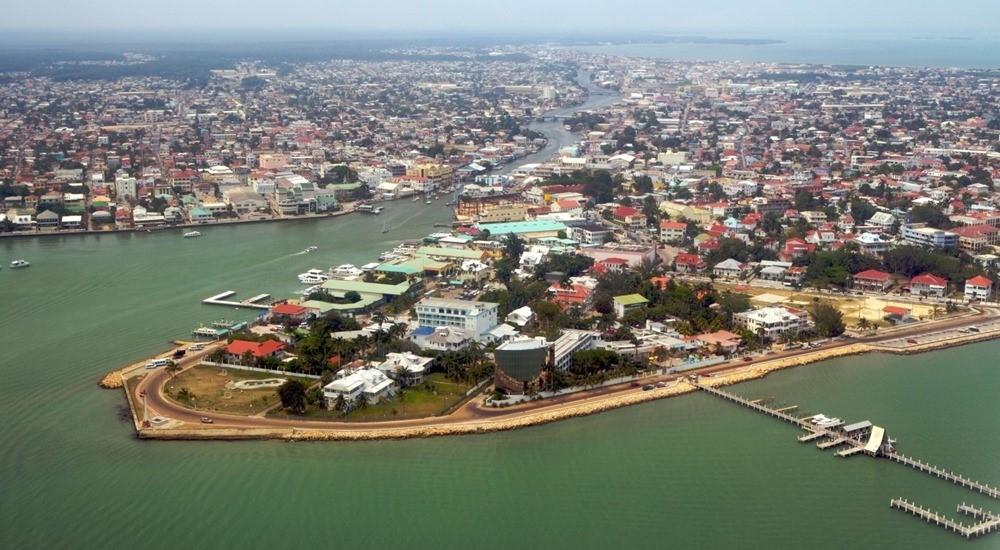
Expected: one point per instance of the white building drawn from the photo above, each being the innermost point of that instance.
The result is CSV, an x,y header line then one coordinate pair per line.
x,y
126,187
570,342
929,236
408,365
474,318
772,323
978,288
371,384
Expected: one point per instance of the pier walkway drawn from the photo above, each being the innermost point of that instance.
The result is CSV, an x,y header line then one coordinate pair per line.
x,y
878,444
259,301
957,479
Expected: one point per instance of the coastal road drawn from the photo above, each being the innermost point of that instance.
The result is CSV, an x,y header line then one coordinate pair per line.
x,y
473,412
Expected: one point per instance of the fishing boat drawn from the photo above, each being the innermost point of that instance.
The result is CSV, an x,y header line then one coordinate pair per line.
x,y
192,234
19,263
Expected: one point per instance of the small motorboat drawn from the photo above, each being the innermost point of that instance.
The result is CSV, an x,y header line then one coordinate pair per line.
x,y
19,263
192,234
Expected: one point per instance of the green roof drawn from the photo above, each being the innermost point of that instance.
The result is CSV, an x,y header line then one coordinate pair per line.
x,y
533,226
441,252
631,299
323,307
412,266
340,285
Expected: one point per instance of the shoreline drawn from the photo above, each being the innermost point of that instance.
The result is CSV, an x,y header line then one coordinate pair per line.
x,y
541,413
164,228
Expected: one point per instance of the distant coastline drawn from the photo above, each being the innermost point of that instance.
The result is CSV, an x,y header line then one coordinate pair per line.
x,y
683,40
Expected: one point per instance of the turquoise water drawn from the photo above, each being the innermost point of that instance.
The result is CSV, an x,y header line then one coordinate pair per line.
x,y
685,472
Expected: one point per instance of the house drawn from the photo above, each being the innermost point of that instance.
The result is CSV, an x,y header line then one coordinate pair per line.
x,y
289,312
440,338
237,349
884,221
973,238
928,284
632,219
47,218
672,231
872,280
871,243
720,341
521,316
773,323
688,263
729,269
978,288
628,302
352,385
407,367
570,295
796,248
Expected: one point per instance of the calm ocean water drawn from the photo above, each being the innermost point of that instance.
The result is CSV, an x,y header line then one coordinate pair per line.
x,y
916,50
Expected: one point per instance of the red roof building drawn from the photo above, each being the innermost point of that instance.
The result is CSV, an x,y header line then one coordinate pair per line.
x,y
978,288
873,280
572,295
928,284
688,263
268,348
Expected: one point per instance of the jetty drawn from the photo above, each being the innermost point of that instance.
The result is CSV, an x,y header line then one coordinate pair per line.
x,y
260,301
866,439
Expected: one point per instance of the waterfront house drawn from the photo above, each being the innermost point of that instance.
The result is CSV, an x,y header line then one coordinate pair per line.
x,y
352,385
237,349
978,288
405,367
289,313
772,323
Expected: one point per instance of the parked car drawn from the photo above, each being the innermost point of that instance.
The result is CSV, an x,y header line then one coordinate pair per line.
x,y
207,420
647,387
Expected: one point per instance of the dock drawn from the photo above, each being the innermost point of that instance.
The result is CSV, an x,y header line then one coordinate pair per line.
x,y
867,439
989,524
957,479
260,301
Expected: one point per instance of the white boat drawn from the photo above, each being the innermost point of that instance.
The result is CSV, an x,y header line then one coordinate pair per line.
x,y
313,277
345,271
428,201
192,234
310,249
19,263
415,199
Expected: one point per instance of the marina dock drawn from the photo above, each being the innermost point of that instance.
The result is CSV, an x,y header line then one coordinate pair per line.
x,y
260,301
867,439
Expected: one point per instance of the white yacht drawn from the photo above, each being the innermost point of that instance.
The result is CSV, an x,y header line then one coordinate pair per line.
x,y
313,277
192,234
345,271
19,263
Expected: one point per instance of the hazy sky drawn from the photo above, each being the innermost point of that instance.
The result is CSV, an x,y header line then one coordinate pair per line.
x,y
503,15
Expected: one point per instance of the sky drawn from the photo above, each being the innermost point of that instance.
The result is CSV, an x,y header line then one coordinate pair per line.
x,y
524,16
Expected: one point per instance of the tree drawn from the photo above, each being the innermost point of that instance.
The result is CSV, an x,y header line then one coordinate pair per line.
x,y
828,319
514,247
293,396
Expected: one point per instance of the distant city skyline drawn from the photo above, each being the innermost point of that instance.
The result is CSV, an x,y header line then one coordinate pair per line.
x,y
525,16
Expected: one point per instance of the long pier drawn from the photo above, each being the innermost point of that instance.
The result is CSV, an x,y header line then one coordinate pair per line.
x,y
257,302
880,445
957,479
989,524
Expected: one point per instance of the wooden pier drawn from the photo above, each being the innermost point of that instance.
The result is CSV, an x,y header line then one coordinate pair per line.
x,y
876,446
989,524
259,301
957,479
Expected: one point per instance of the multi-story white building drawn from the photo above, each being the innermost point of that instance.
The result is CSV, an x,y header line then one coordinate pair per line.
x,y
928,236
474,318
126,187
773,323
978,288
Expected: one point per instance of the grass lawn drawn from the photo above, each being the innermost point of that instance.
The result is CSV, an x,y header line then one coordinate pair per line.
x,y
208,390
435,394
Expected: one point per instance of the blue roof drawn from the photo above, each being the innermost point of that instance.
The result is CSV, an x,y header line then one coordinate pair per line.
x,y
533,226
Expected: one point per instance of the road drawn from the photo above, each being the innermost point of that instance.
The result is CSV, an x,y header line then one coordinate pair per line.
x,y
473,411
